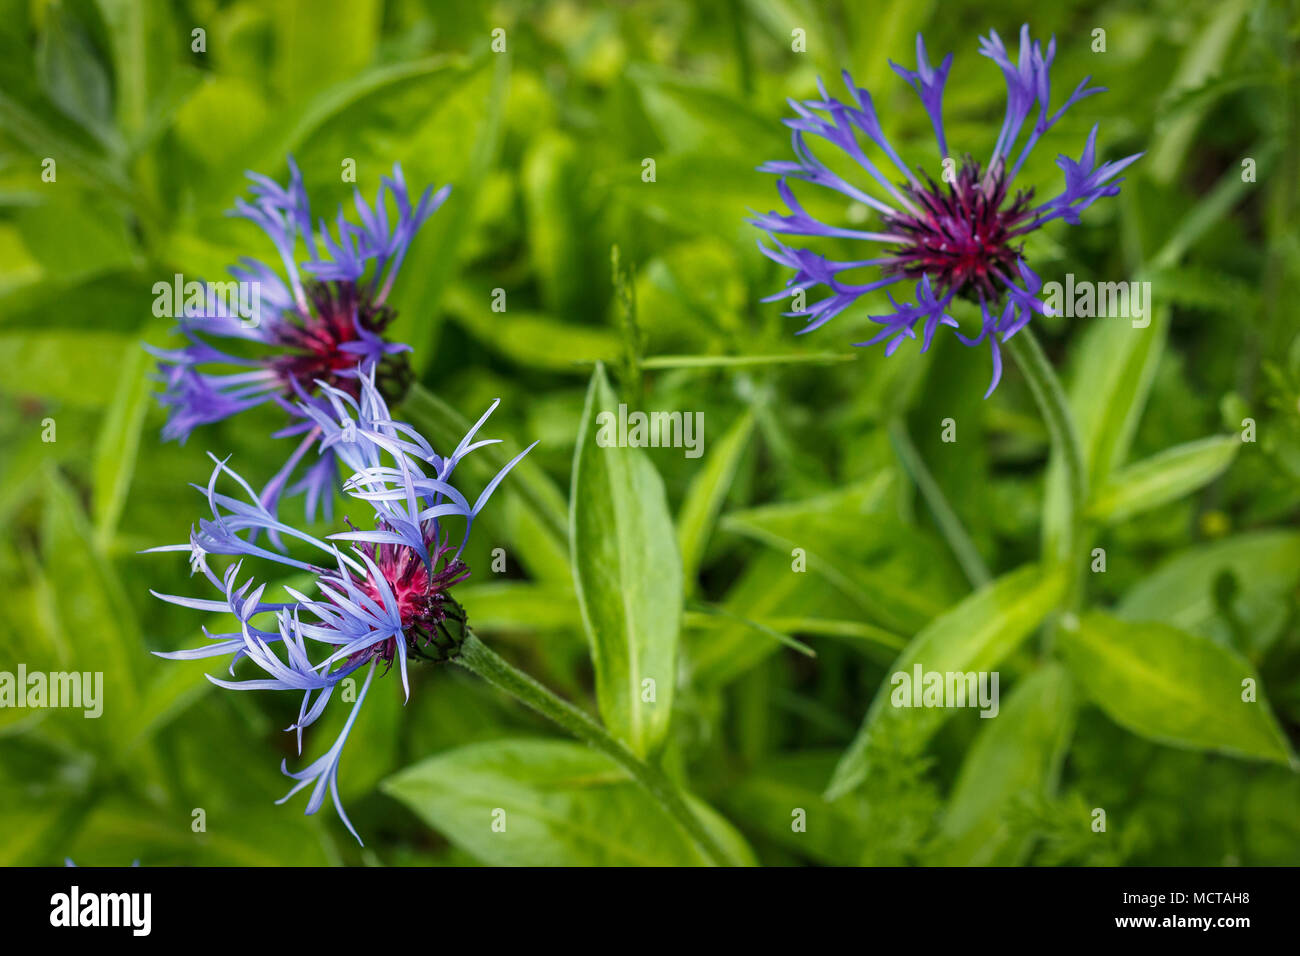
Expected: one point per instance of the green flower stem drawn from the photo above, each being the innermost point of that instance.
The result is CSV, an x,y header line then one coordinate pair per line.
x,y
950,525
1055,407
478,658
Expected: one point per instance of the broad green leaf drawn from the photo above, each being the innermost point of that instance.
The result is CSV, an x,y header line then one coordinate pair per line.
x,y
707,491
547,803
628,576
1173,687
1162,478
119,444
1264,564
691,117
975,635
1016,755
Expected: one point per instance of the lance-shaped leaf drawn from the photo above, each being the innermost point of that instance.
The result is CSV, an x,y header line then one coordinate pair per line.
x,y
1016,754
1173,687
627,573
975,635
1163,478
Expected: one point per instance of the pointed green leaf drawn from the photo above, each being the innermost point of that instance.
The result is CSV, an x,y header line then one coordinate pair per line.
x,y
1162,478
975,635
1173,687
627,573
706,494
1017,753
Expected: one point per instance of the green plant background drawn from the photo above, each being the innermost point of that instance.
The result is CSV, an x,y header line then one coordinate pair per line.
x,y
1134,708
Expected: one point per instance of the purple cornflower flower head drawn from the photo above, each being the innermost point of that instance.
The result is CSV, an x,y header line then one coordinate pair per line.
x,y
962,239
312,324
384,597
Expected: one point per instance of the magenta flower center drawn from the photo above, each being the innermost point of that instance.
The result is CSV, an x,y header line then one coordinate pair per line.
x,y
965,233
314,344
423,598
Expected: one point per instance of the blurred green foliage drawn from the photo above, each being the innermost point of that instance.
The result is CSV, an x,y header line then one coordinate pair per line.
x,y
545,146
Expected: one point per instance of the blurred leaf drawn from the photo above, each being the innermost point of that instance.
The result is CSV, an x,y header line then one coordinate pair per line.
x,y
628,576
73,75
89,608
559,234
1162,478
1173,687
307,34
432,262
532,338
1180,592
287,129
976,635
1203,59
765,801
893,572
1114,367
723,647
557,803
1017,755
706,494
119,443
78,368
518,606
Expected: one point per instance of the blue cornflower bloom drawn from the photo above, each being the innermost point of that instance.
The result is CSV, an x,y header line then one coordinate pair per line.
x,y
962,239
315,323
384,598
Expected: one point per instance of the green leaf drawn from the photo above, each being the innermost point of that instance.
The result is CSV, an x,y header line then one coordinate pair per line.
x,y
1265,564
1162,478
79,368
533,338
560,235
73,75
893,572
547,803
1173,687
1017,754
306,42
975,635
628,576
723,647
707,491
119,443
518,606
433,259
765,800
1112,378
287,129
88,610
